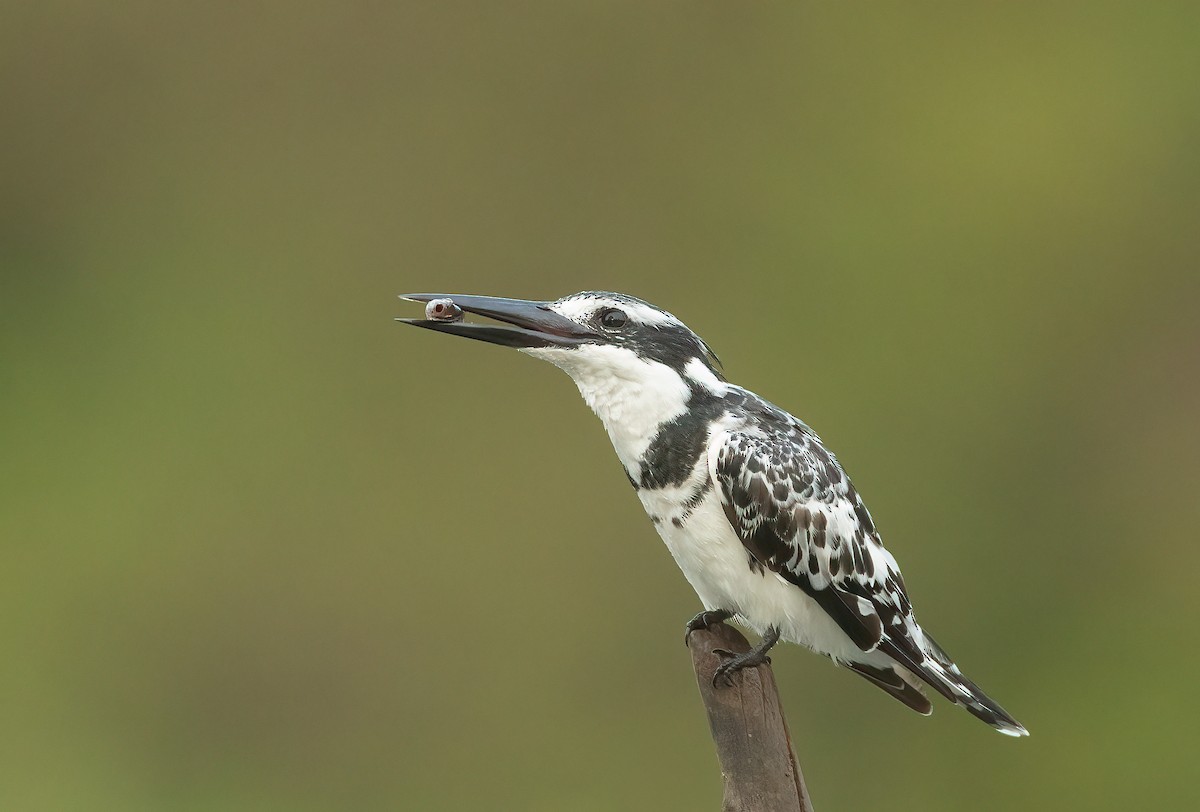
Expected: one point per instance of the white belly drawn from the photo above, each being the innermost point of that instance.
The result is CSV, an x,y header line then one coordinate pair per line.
x,y
717,565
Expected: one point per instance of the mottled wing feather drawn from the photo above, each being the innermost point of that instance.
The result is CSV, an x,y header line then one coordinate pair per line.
x,y
799,516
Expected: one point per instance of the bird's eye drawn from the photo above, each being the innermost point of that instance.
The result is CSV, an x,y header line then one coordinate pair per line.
x,y
613,318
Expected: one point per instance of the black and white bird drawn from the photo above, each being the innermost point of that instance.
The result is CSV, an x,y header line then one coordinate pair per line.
x,y
759,515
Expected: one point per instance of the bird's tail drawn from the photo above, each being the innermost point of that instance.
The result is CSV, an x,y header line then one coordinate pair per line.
x,y
941,673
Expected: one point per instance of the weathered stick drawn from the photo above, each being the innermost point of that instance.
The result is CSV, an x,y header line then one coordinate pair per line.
x,y
753,745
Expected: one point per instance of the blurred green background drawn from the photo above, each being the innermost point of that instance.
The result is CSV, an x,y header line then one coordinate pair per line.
x,y
265,549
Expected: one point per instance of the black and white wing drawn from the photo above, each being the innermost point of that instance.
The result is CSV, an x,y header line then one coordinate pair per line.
x,y
799,516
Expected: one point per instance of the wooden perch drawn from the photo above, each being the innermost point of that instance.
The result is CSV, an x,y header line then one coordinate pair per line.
x,y
753,745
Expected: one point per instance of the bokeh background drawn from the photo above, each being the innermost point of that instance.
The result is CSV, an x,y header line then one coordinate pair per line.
x,y
263,548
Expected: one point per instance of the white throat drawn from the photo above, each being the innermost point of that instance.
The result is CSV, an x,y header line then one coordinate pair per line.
x,y
630,395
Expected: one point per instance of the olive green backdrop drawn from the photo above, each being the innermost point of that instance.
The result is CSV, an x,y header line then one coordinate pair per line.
x,y
263,548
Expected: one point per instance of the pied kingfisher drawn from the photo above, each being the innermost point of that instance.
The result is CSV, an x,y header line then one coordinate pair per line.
x,y
760,517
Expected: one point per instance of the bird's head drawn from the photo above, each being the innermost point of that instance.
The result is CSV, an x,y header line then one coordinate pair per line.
x,y
593,332
623,353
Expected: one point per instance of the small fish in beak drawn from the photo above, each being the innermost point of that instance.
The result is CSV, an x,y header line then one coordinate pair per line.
x,y
443,310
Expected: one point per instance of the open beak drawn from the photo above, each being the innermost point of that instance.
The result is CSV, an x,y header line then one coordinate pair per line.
x,y
525,324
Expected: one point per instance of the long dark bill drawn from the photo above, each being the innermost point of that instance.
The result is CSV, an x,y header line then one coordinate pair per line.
x,y
526,324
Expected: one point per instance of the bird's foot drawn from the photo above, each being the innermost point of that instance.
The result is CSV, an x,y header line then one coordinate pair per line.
x,y
736,662
707,618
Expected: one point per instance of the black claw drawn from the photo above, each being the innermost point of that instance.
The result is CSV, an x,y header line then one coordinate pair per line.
x,y
736,662
705,619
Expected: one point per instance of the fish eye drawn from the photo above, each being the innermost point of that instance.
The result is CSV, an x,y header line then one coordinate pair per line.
x,y
613,318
